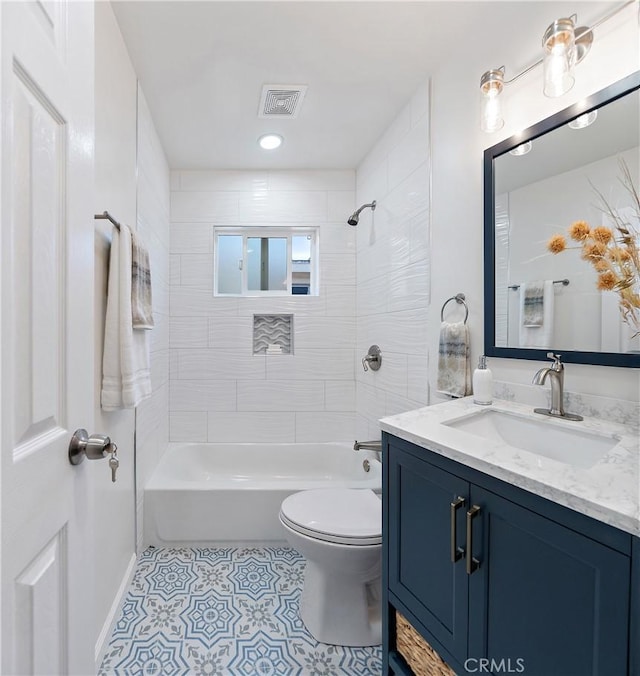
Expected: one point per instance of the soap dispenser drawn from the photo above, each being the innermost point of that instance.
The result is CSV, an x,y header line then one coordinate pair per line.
x,y
482,383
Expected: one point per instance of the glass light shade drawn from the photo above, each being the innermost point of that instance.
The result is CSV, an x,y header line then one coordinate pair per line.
x,y
270,141
522,149
584,120
559,57
491,85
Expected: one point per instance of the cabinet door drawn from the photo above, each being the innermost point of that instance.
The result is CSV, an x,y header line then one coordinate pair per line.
x,y
421,573
545,595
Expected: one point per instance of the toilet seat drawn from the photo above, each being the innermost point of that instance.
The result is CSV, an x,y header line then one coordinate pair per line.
x,y
340,515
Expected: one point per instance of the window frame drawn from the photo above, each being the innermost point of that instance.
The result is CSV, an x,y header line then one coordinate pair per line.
x,y
261,231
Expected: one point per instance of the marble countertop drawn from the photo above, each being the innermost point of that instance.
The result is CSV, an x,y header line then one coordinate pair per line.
x,y
608,491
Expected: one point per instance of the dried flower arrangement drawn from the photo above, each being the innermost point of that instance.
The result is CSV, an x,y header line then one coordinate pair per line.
x,y
613,252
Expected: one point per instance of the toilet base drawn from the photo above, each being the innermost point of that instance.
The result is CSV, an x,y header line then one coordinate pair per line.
x,y
341,610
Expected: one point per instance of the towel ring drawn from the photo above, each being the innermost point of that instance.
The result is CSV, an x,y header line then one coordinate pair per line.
x,y
459,298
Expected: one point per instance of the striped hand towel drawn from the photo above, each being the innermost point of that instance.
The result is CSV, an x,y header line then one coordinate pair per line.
x,y
141,308
454,367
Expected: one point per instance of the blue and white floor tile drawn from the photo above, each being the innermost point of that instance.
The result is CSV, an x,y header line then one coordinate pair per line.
x,y
222,612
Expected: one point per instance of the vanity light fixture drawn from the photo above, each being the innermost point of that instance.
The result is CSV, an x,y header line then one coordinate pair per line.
x,y
565,45
270,141
584,120
522,149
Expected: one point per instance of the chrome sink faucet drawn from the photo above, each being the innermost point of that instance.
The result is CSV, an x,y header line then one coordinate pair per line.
x,y
555,372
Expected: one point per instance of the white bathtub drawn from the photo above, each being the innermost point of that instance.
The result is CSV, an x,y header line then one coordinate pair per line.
x,y
204,493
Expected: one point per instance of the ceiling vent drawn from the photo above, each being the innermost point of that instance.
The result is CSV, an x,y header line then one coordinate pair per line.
x,y
282,101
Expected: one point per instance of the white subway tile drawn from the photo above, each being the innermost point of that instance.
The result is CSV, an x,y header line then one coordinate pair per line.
x,y
174,269
189,332
410,153
283,207
197,270
338,269
192,301
312,179
173,364
231,332
373,295
420,103
409,287
392,375
212,207
219,365
185,426
332,332
223,180
280,395
299,306
337,238
311,364
371,401
341,300
393,135
251,427
339,395
325,426
191,238
199,395
341,206
398,404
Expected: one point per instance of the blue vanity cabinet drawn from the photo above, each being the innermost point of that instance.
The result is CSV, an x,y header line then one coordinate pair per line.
x,y
550,596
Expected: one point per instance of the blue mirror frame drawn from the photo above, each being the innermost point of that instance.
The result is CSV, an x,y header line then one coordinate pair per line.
x,y
597,100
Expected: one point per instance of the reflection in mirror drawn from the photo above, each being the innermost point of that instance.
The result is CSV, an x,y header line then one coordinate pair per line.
x,y
543,301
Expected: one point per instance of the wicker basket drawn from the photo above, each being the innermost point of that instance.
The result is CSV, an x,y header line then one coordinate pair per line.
x,y
420,656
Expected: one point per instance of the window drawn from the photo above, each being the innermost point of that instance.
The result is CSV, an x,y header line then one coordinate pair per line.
x,y
256,261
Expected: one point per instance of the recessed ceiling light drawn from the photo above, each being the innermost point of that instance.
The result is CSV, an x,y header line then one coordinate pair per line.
x,y
584,120
270,141
522,149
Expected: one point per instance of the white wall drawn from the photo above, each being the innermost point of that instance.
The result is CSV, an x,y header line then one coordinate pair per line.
x,y
457,147
220,391
115,178
153,190
393,263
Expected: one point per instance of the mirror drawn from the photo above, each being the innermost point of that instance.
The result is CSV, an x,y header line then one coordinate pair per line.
x,y
537,301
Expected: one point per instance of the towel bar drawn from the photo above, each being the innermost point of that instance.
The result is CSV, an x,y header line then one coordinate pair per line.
x,y
564,282
459,298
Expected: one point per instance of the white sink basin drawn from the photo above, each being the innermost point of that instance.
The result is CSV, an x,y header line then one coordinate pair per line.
x,y
581,448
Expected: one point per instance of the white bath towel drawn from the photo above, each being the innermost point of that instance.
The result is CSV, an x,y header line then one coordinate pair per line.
x,y
126,376
542,335
141,307
454,367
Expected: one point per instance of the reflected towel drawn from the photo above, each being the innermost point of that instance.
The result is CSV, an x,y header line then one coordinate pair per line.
x,y
454,367
141,309
542,335
532,303
126,376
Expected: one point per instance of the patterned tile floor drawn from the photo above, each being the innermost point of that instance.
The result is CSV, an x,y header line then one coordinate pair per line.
x,y
222,612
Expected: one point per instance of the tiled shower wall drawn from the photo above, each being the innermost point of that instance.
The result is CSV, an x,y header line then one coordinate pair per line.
x,y
219,390
393,263
152,428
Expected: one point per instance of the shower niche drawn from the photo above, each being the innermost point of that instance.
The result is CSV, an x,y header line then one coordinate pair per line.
x,y
272,334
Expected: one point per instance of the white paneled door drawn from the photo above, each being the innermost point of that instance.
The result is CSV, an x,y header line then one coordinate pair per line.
x,y
46,326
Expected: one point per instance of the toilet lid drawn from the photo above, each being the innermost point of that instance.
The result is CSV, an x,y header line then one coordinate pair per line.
x,y
342,515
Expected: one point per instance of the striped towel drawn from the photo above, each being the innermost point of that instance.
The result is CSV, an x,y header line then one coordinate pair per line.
x,y
454,367
141,308
533,304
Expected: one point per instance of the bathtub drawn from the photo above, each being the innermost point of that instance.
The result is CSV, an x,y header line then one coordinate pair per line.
x,y
204,493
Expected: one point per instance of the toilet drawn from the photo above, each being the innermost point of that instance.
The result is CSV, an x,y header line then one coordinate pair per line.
x,y
339,532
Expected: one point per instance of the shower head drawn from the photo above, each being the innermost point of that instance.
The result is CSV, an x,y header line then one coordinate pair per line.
x,y
355,216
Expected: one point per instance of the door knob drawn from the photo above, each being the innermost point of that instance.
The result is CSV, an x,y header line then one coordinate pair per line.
x,y
94,447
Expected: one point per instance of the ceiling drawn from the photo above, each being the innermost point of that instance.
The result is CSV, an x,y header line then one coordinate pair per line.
x,y
202,66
